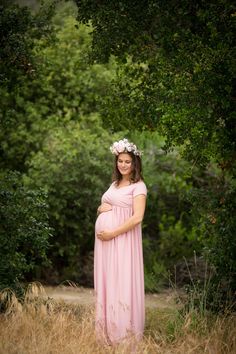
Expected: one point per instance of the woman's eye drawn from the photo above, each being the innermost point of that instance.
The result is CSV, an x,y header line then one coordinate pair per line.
x,y
127,162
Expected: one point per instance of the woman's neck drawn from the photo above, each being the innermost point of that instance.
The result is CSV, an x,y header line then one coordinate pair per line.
x,y
125,179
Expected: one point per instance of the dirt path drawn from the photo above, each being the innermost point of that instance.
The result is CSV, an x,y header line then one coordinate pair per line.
x,y
85,296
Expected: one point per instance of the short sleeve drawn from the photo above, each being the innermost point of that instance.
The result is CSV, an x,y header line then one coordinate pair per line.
x,y
140,188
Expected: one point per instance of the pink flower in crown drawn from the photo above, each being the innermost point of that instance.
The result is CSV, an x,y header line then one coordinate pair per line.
x,y
121,146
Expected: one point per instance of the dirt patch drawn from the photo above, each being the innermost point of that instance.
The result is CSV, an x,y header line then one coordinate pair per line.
x,y
85,296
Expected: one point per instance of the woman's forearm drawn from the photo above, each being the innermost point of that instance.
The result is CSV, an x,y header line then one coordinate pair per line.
x,y
127,225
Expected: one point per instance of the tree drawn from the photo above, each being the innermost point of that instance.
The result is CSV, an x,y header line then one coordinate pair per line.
x,y
61,145
19,32
74,167
179,78
176,75
51,133
24,230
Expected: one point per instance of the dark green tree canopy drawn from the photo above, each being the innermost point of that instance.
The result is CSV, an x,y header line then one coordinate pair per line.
x,y
19,29
141,28
179,70
176,75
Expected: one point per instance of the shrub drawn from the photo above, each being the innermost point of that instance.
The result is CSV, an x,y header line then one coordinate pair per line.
x,y
24,230
215,206
75,168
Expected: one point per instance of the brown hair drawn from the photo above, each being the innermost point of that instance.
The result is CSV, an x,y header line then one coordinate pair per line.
x,y
136,174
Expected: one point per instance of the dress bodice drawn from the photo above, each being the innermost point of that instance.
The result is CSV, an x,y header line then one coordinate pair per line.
x,y
123,196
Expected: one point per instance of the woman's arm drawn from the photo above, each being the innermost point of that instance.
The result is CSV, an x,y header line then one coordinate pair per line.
x,y
137,217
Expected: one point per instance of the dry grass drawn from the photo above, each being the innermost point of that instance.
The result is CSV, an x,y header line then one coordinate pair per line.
x,y
39,326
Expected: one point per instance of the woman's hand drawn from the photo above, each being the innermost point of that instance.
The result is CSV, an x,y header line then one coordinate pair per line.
x,y
105,235
103,208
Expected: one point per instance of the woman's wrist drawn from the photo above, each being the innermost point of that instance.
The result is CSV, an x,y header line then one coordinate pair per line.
x,y
114,233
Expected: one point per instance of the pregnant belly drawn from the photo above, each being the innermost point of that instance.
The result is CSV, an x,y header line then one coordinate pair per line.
x,y
112,219
105,221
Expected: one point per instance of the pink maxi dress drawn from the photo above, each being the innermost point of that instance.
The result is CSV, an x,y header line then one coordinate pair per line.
x,y
118,269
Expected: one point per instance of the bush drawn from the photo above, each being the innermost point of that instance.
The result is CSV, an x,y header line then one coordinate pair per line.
x,y
155,272
24,230
169,233
215,206
75,169
176,241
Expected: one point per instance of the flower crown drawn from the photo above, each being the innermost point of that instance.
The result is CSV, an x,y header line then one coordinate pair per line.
x,y
124,146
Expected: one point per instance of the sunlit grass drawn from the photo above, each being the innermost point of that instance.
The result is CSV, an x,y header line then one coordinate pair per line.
x,y
43,326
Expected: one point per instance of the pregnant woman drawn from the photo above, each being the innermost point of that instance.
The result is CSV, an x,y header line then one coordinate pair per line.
x,y
118,256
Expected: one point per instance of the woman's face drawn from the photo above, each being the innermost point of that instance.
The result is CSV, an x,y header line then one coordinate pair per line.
x,y
124,164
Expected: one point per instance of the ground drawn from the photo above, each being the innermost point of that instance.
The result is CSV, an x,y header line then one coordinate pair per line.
x,y
85,296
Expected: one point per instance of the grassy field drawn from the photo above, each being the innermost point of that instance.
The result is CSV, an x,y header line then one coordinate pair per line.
x,y
39,326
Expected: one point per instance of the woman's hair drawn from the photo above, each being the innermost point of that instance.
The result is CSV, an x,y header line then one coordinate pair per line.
x,y
136,174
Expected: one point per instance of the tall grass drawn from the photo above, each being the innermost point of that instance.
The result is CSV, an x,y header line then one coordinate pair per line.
x,y
38,325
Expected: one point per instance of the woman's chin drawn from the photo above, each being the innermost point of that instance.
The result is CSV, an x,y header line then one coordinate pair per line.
x,y
124,173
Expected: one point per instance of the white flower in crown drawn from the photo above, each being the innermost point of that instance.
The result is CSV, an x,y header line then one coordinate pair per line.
x,y
124,146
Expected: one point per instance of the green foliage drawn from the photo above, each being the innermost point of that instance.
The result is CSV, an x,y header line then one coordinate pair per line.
x,y
53,132
176,241
63,89
75,169
155,272
168,182
176,76
60,140
216,212
169,233
24,230
190,114
20,30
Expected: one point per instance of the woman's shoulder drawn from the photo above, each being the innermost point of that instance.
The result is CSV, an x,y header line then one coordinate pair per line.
x,y
133,185
139,188
139,183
